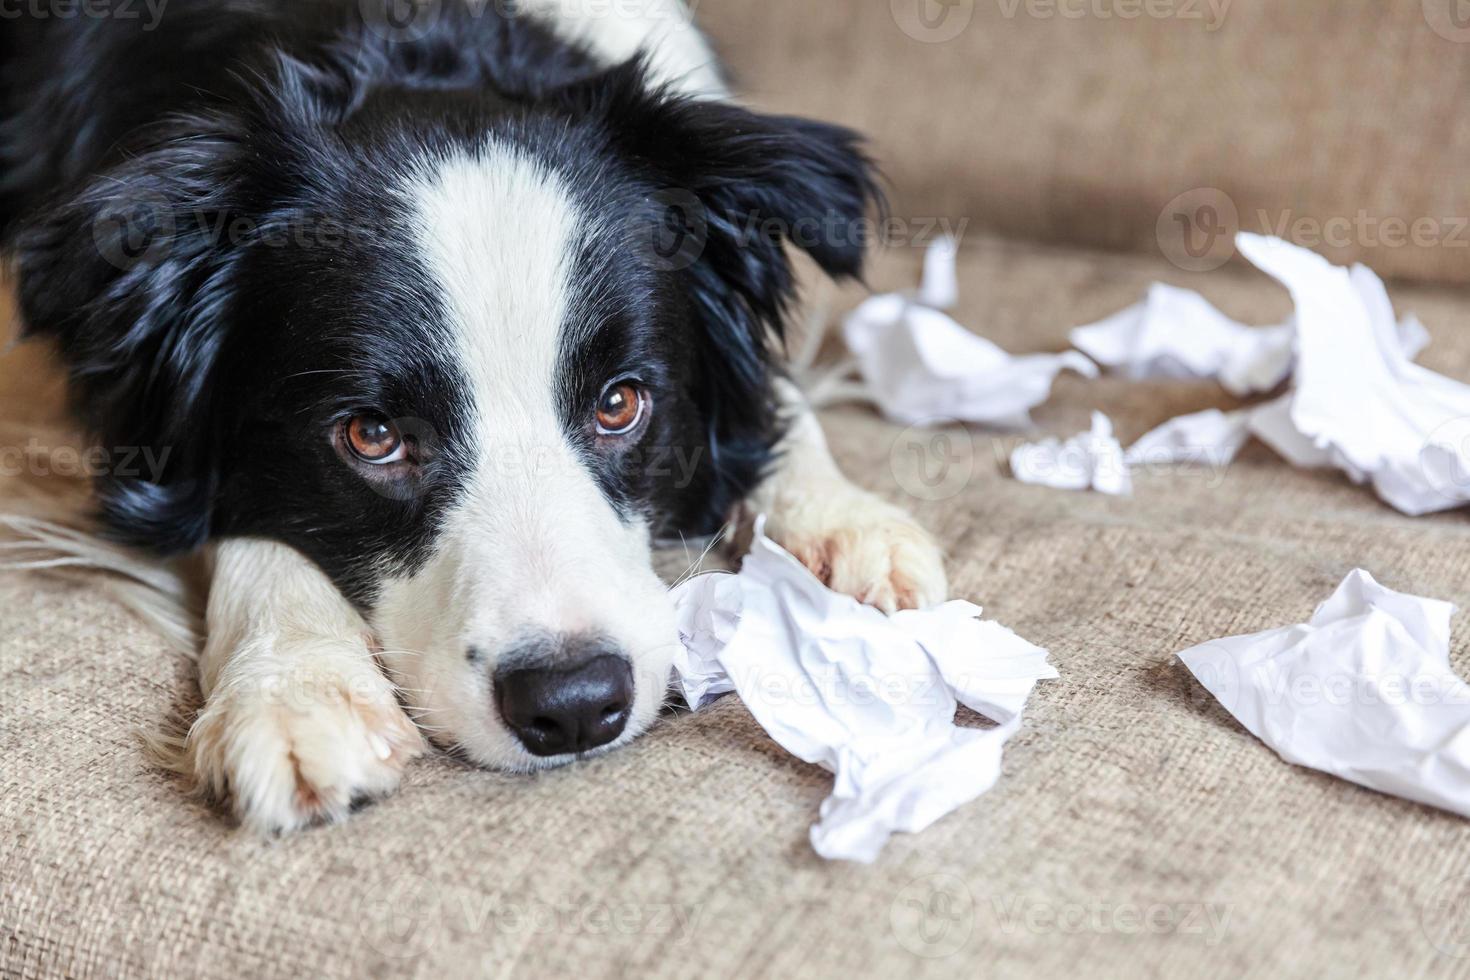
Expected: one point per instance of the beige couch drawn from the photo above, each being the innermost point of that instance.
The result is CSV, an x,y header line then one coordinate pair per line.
x,y
1137,829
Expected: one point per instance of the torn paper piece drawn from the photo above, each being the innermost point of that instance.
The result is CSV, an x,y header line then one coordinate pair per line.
x,y
871,698
1364,691
1091,460
1208,438
939,289
1357,401
1177,333
708,615
919,366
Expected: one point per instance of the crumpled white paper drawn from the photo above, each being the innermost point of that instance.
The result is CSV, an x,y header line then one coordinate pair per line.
x,y
1211,437
1177,333
1364,691
919,366
1091,460
1357,401
872,698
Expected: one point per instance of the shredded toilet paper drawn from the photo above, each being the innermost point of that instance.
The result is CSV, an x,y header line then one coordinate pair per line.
x,y
1091,460
1363,690
1356,401
871,698
1176,333
919,366
1208,438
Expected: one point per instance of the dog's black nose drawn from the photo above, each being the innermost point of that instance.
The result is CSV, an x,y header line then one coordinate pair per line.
x,y
571,709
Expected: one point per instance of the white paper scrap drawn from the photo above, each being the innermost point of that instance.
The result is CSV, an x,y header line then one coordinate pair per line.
x,y
919,366
1364,691
871,698
939,289
1210,438
1177,333
1358,402
1091,460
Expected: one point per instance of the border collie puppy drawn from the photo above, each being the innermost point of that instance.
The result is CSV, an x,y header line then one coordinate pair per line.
x,y
442,312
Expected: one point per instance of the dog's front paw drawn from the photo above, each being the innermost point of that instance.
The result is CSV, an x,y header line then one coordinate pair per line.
x,y
293,741
860,544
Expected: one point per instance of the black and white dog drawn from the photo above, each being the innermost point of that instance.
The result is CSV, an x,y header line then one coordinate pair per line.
x,y
443,312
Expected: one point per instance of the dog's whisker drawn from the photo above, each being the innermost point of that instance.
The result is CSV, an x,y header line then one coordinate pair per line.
x,y
694,565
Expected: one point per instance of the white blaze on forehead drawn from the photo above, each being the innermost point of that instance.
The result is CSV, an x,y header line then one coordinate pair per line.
x,y
531,547
497,230
532,526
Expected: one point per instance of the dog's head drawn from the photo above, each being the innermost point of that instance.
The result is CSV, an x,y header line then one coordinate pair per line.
x,y
467,346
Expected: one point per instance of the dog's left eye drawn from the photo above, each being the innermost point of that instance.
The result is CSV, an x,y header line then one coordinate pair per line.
x,y
374,439
620,408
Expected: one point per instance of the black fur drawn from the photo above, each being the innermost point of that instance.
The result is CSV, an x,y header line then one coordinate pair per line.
x,y
206,219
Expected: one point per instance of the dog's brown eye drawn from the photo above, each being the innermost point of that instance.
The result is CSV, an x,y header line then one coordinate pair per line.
x,y
619,408
374,439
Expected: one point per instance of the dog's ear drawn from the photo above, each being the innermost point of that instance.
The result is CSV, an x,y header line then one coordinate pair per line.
x,y
731,189
130,276
739,184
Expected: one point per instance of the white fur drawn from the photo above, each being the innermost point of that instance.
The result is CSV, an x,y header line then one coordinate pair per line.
x,y
298,719
853,540
533,547
616,30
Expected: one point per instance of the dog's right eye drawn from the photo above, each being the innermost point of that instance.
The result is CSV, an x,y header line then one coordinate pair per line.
x,y
374,439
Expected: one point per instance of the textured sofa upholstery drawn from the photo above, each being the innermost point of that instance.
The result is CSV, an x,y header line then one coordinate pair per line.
x,y
1037,123
1137,829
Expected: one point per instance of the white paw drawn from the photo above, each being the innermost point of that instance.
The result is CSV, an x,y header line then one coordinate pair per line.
x,y
296,740
860,544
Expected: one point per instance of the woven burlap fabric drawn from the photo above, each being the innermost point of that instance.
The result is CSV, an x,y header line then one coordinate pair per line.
x,y
1137,827
1079,121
